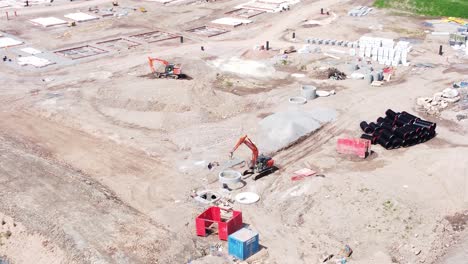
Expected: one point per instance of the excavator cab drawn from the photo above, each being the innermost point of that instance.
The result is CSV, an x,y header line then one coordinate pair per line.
x,y
173,69
170,70
263,163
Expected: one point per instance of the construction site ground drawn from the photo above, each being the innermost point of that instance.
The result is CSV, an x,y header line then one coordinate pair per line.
x,y
98,159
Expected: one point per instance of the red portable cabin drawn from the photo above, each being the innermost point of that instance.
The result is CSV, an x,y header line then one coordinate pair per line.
x,y
225,226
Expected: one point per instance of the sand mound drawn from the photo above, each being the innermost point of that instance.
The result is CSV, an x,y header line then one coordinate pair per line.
x,y
282,129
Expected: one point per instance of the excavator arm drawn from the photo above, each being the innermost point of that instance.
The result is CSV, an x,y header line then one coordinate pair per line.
x,y
260,163
246,140
151,63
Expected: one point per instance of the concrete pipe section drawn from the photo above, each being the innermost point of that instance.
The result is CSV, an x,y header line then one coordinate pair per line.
x,y
229,177
309,92
298,100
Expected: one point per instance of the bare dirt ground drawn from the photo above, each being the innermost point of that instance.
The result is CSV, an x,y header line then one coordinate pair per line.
x,y
98,161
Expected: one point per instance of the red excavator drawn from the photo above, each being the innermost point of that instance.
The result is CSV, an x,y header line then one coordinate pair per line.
x,y
170,70
259,164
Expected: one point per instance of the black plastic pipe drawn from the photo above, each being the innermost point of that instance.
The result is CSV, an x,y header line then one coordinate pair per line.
x,y
384,143
365,127
409,115
403,133
426,123
369,137
390,113
387,126
387,135
384,120
397,143
406,118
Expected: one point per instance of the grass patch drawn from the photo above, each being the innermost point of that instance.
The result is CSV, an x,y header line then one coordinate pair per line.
x,y
446,8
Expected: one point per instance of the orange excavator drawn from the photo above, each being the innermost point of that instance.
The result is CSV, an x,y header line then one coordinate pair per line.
x,y
259,164
170,70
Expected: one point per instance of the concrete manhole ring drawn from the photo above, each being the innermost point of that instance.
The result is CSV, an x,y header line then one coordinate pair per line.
x,y
229,177
309,92
298,100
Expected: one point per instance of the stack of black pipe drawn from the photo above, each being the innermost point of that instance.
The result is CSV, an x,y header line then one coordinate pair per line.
x,y
398,130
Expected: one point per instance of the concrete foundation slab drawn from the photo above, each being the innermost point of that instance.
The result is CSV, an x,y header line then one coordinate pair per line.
x,y
244,13
206,31
48,21
260,7
80,52
271,6
80,17
118,44
154,36
230,21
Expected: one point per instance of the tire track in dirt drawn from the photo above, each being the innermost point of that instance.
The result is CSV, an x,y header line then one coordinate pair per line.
x,y
311,144
73,211
139,180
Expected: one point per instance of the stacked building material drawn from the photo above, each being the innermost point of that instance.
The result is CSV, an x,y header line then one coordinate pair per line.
x,y
398,130
439,101
384,50
458,39
360,11
332,42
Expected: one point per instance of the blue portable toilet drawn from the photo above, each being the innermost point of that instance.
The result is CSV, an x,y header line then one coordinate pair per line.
x,y
243,243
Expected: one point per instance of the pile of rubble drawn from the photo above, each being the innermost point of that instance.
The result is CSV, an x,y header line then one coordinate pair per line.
x,y
323,73
335,74
439,101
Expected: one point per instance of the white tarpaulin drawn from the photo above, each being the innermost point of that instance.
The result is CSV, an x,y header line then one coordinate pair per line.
x,y
34,61
9,42
80,17
48,21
